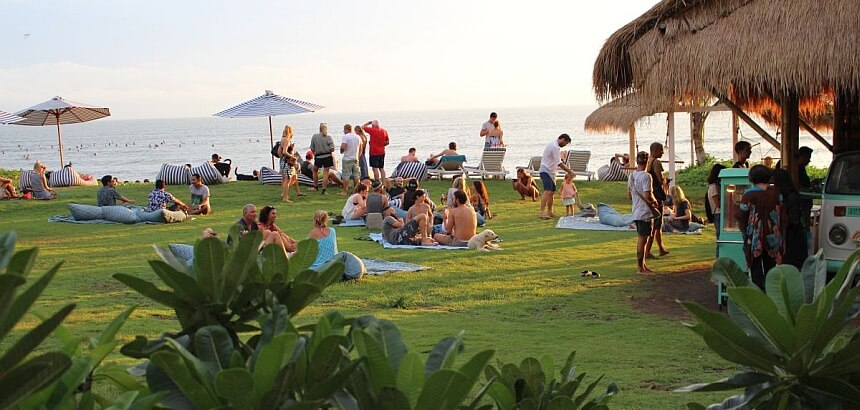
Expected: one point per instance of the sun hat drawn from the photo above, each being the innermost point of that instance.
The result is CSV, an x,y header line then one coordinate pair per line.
x,y
375,185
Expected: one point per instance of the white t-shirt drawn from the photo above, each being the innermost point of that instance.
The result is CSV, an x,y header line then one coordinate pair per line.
x,y
349,206
551,158
352,142
639,182
714,190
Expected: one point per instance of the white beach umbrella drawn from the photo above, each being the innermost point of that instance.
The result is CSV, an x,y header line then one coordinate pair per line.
x,y
6,118
58,111
269,105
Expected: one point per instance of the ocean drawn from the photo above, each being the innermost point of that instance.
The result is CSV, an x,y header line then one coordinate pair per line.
x,y
135,149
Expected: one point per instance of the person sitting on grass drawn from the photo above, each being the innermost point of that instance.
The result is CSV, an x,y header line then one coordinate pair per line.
x,y
107,195
272,233
413,232
461,222
199,197
377,200
419,207
159,198
8,188
526,186
681,218
39,183
356,205
326,238
481,199
434,159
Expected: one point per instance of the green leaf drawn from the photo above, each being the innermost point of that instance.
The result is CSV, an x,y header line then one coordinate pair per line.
x,y
77,373
185,287
548,365
149,290
725,270
141,347
728,341
561,403
119,376
443,354
737,381
167,256
392,399
785,287
213,346
31,376
386,333
299,296
22,262
109,334
237,387
147,402
475,366
845,361
502,395
271,358
243,259
274,261
836,389
174,366
579,400
306,254
410,377
328,387
13,309
533,375
814,273
378,368
7,248
31,340
209,259
445,389
763,312
327,357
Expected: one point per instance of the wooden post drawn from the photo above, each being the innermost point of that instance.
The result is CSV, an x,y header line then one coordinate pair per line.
x,y
692,146
671,146
60,143
846,122
790,133
631,132
735,126
272,141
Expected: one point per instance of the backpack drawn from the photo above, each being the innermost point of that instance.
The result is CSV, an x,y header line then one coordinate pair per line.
x,y
276,150
709,213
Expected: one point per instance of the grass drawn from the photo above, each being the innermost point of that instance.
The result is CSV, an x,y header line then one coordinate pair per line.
x,y
527,300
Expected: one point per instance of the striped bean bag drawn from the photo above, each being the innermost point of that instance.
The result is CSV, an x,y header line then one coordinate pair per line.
x,y
24,179
67,177
407,170
174,174
612,172
269,177
305,180
209,173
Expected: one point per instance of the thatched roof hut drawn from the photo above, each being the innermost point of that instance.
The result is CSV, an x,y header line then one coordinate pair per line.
x,y
758,48
619,114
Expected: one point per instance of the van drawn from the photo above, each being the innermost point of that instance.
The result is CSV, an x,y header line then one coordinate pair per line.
x,y
839,221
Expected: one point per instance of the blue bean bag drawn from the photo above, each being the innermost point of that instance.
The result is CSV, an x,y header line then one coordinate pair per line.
x,y
609,216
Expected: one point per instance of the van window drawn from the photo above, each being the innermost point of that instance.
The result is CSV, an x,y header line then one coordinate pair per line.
x,y
844,175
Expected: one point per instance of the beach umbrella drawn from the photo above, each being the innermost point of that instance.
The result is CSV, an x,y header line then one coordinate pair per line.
x,y
58,111
269,105
6,118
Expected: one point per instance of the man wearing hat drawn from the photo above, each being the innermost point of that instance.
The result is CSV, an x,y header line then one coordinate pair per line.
x,y
107,195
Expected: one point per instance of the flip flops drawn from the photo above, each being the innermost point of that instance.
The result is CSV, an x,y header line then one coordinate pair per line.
x,y
364,238
588,273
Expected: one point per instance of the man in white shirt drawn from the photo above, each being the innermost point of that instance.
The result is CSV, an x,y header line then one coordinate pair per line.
x,y
487,127
639,192
549,164
349,148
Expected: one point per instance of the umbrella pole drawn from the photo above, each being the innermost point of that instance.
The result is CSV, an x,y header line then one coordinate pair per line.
x,y
271,141
60,142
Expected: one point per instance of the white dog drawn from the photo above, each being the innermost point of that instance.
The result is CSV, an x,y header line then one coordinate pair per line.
x,y
483,241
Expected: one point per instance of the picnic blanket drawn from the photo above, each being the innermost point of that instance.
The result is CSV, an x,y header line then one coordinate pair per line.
x,y
71,219
377,237
380,267
589,224
353,222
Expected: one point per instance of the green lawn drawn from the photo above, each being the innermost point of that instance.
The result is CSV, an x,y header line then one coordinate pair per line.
x,y
527,300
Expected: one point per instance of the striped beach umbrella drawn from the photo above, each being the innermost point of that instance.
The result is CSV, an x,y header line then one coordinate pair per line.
x,y
58,111
6,118
269,105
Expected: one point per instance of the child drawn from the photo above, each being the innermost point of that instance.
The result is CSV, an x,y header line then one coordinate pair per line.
x,y
568,194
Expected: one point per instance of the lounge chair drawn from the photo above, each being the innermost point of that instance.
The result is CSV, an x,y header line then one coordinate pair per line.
x,y
490,165
577,161
448,165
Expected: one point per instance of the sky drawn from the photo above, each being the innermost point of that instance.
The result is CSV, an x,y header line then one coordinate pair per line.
x,y
160,59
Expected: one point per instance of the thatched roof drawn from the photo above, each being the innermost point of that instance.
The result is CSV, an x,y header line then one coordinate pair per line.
x,y
760,48
619,114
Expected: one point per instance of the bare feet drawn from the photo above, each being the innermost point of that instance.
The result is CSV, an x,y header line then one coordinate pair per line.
x,y
428,242
663,252
650,256
644,272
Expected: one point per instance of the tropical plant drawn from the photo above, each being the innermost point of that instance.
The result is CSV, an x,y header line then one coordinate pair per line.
x,y
20,378
527,386
792,341
230,286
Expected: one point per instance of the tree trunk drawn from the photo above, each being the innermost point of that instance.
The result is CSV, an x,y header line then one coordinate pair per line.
x,y
697,133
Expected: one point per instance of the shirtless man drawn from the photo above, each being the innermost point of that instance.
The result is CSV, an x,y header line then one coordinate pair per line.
x,y
461,222
410,157
452,150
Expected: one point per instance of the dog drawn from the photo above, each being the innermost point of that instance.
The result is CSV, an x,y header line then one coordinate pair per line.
x,y
243,177
482,241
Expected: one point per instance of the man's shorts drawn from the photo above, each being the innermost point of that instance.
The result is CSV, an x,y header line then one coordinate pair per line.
x,y
406,235
450,240
326,162
377,161
643,228
350,170
548,182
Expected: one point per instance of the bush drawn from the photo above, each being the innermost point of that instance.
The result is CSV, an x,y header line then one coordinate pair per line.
x,y
697,175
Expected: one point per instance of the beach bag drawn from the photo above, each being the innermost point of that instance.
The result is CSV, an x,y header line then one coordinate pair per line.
x,y
276,150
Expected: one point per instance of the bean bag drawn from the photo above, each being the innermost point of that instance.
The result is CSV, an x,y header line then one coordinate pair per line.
x,y
609,216
154,216
24,179
68,177
119,214
269,177
613,172
209,173
85,212
353,268
183,252
407,170
174,174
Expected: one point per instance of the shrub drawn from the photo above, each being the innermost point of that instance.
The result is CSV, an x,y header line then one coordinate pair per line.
x,y
792,341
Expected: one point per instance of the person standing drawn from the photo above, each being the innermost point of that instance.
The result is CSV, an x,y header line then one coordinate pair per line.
x,y
107,195
713,197
323,146
349,147
362,152
639,187
378,142
549,163
658,189
287,162
495,137
199,197
761,222
487,127
743,150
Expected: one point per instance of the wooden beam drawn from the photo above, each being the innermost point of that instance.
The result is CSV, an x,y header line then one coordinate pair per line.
x,y
671,146
815,135
631,133
742,115
695,108
790,133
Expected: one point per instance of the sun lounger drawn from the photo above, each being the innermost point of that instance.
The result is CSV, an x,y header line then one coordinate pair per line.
x,y
577,161
448,165
490,165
